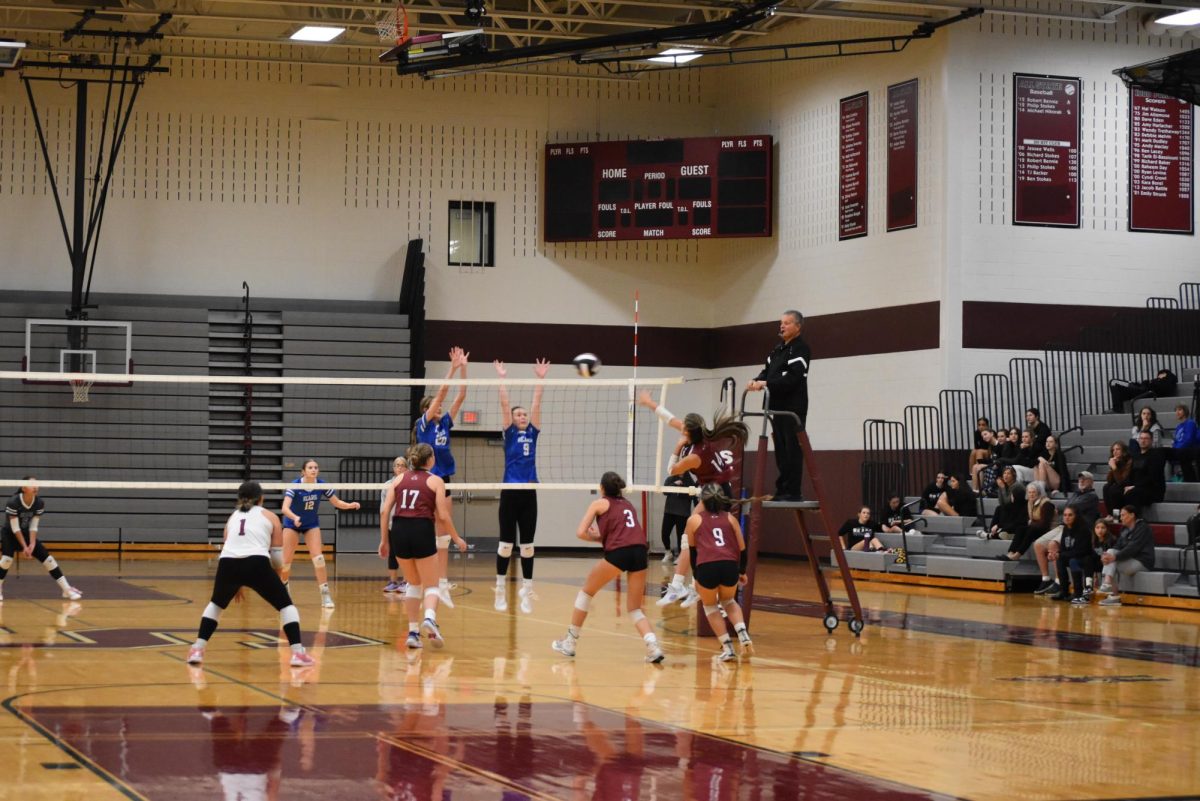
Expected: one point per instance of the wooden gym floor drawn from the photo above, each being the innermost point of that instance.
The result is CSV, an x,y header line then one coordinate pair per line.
x,y
948,694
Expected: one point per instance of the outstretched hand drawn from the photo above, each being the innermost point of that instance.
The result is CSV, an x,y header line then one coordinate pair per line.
x,y
541,367
501,370
644,399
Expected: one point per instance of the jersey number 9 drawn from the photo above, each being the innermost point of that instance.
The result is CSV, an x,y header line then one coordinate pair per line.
x,y
719,537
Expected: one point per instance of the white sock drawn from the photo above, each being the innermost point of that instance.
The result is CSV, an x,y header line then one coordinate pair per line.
x,y
62,582
1045,577
500,580
325,587
413,627
443,584
573,632
724,638
431,614
200,644
527,584
649,638
677,581
739,627
297,648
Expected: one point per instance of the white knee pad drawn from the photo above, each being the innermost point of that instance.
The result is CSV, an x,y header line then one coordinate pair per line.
x,y
289,614
443,542
728,602
319,560
6,562
504,549
276,556
50,563
583,601
412,592
213,612
711,610
527,550
431,591
683,542
637,616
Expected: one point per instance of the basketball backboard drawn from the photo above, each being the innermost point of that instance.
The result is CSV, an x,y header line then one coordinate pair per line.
x,y
103,347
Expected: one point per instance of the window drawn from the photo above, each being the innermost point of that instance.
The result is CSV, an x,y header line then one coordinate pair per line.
x,y
472,233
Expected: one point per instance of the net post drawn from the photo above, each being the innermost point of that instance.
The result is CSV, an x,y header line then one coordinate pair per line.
x,y
658,476
630,431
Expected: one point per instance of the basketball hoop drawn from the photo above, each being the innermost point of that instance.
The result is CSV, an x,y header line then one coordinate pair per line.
x,y
393,26
79,389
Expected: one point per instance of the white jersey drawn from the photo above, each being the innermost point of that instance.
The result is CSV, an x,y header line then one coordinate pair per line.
x,y
247,534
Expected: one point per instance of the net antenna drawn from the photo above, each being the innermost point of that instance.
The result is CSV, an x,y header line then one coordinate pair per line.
x,y
393,27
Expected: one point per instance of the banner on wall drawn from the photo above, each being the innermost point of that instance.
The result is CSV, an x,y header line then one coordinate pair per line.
x,y
1046,134
902,156
1160,163
852,167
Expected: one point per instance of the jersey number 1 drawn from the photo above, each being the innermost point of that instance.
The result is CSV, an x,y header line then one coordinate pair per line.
x,y
242,528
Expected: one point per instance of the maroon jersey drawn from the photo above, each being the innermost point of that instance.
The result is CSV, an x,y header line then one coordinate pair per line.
x,y
716,463
414,498
715,539
619,526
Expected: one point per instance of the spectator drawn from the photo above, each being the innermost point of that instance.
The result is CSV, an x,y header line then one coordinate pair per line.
x,y
1147,421
858,534
897,519
1002,454
981,457
930,495
1102,538
1132,553
1185,449
981,443
1148,484
1041,519
1011,512
1073,556
1038,429
1026,459
1051,467
958,500
1120,465
1086,506
1162,385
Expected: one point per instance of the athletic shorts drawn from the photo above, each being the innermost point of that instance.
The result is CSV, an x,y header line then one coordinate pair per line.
x,y
711,575
412,538
631,558
254,572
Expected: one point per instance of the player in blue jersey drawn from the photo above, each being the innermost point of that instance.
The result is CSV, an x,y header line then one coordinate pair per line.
x,y
301,515
433,429
518,507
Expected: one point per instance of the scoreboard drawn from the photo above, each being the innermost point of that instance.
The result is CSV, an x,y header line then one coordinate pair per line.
x,y
697,188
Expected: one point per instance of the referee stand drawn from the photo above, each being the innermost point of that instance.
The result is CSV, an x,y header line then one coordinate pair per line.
x,y
799,509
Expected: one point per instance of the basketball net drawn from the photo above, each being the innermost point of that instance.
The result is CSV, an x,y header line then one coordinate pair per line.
x,y
80,389
393,26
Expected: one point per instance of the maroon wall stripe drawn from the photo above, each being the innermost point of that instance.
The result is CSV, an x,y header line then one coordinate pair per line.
x,y
855,333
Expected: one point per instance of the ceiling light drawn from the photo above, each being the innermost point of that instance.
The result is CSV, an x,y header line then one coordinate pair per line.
x,y
676,55
10,53
317,33
1189,17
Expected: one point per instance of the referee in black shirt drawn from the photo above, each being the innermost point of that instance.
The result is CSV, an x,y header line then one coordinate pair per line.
x,y
785,376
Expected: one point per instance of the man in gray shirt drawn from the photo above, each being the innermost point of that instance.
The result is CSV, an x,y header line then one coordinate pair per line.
x,y
1134,552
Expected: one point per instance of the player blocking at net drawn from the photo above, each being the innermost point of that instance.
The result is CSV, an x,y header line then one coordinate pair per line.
x,y
252,551
612,521
417,501
22,514
306,498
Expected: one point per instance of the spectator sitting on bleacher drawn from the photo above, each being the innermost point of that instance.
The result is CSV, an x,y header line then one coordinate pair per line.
x,y
897,519
981,458
1037,429
1146,476
930,495
1026,459
1162,385
1086,506
958,500
984,476
981,448
1120,465
1132,553
1185,449
1073,554
858,534
1041,519
1147,421
1051,467
1011,511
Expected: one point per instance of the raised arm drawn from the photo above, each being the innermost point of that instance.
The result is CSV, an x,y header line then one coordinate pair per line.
x,y
505,409
459,356
662,412
435,408
540,368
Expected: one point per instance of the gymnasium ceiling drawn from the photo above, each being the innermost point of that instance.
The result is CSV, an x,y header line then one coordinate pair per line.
x,y
258,29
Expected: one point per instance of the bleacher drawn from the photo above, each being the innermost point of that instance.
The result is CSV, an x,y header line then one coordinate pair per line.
x,y
946,550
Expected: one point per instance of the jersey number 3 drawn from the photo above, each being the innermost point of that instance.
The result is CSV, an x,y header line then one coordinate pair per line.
x,y
629,521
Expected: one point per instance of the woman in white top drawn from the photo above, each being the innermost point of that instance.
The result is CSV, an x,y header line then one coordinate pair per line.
x,y
253,550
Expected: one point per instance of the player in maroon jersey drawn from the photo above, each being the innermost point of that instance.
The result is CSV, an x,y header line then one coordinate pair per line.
x,y
720,566
709,454
612,521
417,498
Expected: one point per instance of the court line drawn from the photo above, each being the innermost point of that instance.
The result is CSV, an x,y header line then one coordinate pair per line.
x,y
454,764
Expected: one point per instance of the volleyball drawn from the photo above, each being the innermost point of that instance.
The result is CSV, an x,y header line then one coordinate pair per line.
x,y
587,364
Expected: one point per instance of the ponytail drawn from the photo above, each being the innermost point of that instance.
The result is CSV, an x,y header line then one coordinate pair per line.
x,y
250,494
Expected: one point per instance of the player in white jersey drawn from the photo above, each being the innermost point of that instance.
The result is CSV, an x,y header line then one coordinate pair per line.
x,y
252,552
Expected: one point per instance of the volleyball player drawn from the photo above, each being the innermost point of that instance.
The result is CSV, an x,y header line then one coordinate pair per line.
x,y
307,498
416,500
612,521
709,455
22,514
395,584
433,428
518,507
253,546
720,566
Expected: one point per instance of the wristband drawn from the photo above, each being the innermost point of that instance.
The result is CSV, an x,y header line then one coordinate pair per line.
x,y
674,460
664,414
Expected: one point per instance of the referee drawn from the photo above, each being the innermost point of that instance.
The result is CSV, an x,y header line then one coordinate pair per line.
x,y
785,376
